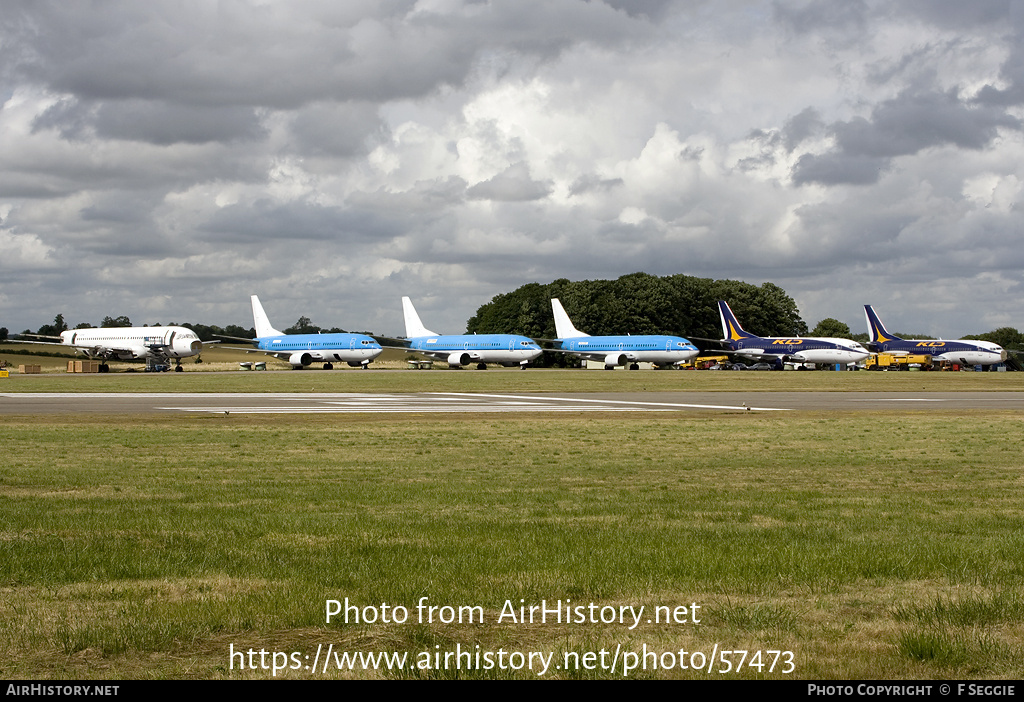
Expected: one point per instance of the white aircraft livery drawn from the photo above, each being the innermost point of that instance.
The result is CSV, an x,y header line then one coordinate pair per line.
x,y
156,345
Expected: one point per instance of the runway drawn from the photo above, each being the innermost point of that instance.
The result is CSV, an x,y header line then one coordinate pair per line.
x,y
462,403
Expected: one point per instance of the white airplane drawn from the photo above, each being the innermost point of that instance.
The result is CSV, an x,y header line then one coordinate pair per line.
x,y
156,345
462,349
619,350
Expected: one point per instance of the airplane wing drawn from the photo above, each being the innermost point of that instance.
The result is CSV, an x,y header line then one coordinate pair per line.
x,y
593,355
391,342
434,355
715,345
755,355
243,339
36,336
91,350
19,340
250,349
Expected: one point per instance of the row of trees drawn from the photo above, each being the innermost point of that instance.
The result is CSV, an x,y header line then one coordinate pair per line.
x,y
640,303
637,303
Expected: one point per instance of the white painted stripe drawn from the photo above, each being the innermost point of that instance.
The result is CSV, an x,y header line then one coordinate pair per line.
x,y
621,402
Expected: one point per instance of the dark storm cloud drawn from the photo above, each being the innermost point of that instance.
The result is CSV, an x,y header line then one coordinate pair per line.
x,y
422,199
330,129
955,14
591,183
905,125
264,221
280,55
803,126
651,9
915,121
71,118
820,15
163,123
839,169
155,122
511,185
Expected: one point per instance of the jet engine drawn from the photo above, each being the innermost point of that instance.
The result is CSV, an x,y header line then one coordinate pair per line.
x,y
300,359
185,347
615,359
459,359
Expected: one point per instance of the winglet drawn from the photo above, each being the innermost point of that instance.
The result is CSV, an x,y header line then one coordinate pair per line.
x,y
563,326
876,332
263,326
413,326
731,329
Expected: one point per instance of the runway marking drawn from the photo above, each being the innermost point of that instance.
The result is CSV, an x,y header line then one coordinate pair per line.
x,y
624,402
424,404
434,402
905,399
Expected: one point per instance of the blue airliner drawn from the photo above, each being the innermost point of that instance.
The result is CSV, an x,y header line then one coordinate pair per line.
x,y
968,353
619,350
463,349
301,350
797,349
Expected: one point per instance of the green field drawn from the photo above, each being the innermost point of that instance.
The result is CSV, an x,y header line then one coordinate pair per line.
x,y
870,545
502,380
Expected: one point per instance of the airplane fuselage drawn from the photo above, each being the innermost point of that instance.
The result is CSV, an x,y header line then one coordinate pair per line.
x,y
463,349
796,349
801,349
618,350
129,343
975,353
968,353
303,349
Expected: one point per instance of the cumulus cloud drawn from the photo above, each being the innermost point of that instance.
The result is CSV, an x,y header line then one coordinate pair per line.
x,y
454,149
904,125
511,185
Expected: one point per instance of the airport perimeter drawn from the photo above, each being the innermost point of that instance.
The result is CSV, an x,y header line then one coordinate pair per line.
x,y
863,534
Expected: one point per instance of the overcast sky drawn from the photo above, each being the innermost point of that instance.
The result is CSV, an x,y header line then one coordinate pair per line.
x,y
165,160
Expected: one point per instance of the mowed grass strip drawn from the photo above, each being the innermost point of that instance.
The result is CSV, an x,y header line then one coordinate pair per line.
x,y
881,545
516,381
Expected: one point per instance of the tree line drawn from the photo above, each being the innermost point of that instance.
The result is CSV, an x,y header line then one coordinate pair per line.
x,y
638,303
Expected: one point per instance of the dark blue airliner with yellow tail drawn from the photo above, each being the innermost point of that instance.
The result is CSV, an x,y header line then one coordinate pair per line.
x,y
794,349
968,353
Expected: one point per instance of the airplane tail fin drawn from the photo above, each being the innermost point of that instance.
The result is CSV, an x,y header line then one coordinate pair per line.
x,y
876,332
731,329
563,326
413,326
263,326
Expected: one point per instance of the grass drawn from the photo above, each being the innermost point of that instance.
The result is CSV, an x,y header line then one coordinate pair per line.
x,y
872,545
514,381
